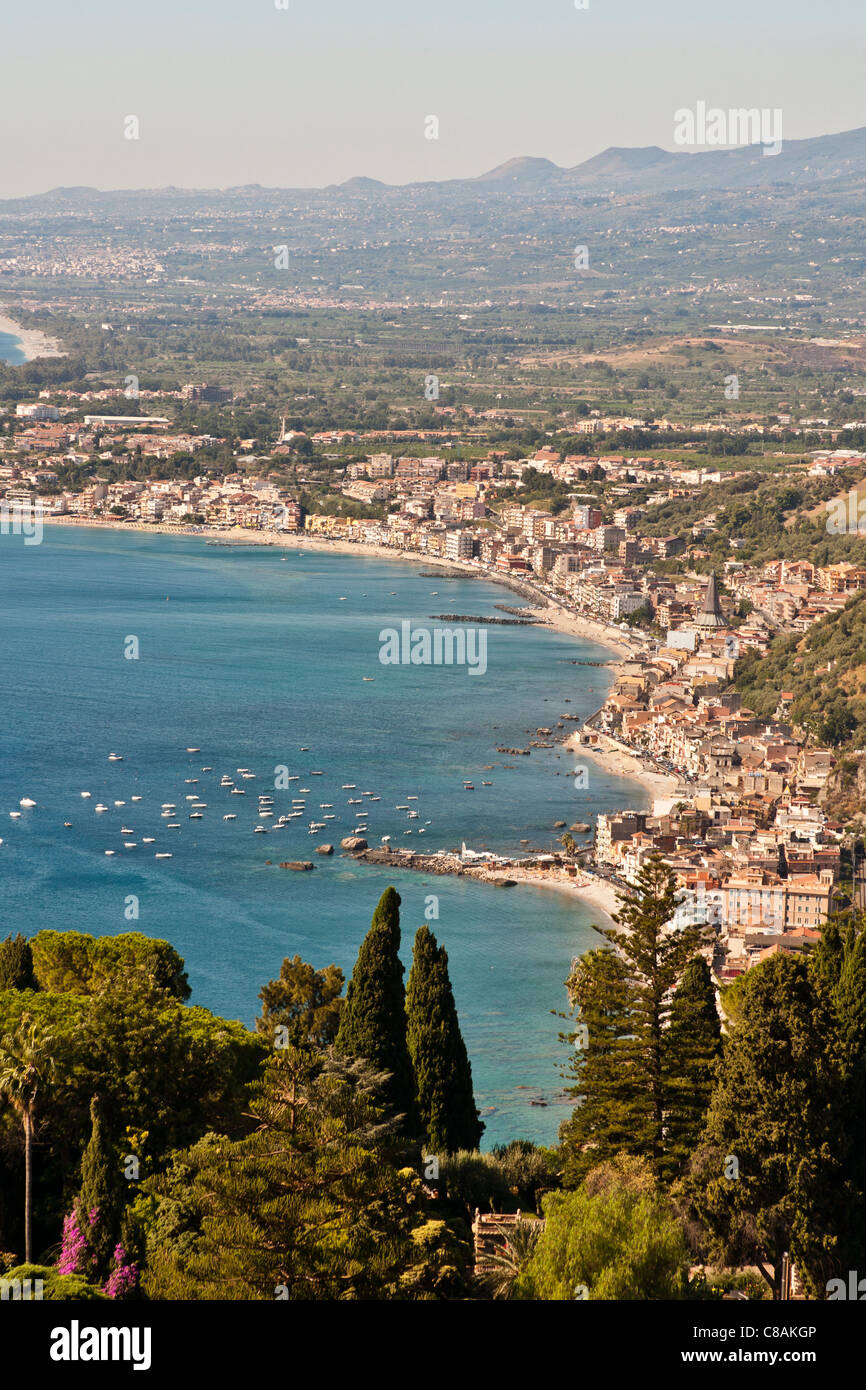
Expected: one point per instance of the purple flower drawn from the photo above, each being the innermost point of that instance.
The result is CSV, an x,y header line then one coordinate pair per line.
x,y
123,1277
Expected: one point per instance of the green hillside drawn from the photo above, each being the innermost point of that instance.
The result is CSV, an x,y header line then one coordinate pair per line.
x,y
825,671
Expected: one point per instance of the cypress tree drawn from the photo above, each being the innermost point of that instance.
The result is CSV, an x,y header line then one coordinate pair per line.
x,y
373,1018
16,963
100,1194
768,1176
693,1043
851,1015
443,1072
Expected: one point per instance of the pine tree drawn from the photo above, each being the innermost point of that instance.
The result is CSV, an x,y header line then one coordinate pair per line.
x,y
16,963
606,1084
304,1001
373,1018
316,1203
99,1202
655,958
625,997
443,1072
693,1044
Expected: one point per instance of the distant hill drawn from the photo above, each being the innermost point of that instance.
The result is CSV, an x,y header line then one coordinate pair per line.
x,y
801,164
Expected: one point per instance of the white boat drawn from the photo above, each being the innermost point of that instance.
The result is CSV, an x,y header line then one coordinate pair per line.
x,y
331,817
148,839
401,808
230,817
265,813
317,774
109,851
349,787
386,839
26,801
303,789
115,758
191,798
200,806
196,815
129,844
238,791
100,807
249,776
125,830
207,769
260,830
411,798
135,798
120,803
193,750
375,798
16,815
190,780
354,801
169,805
86,794
66,825
295,778
413,815
326,805
241,769
174,825
162,856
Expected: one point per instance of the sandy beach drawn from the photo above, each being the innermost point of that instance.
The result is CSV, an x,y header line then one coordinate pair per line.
x,y
613,758
32,341
589,889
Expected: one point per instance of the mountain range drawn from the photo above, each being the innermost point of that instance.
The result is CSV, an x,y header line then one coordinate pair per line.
x,y
643,170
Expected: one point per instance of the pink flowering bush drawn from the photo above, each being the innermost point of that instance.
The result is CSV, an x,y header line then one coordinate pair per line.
x,y
74,1251
123,1277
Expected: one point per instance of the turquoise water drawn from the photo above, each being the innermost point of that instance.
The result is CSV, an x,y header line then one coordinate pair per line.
x,y
10,349
249,655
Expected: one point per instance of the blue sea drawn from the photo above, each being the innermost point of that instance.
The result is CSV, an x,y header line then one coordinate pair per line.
x,y
11,350
256,657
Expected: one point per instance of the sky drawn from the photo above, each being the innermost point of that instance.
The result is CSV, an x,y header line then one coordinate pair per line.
x,y
230,92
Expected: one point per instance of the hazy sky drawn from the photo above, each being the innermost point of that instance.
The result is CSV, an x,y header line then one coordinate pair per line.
x,y
238,91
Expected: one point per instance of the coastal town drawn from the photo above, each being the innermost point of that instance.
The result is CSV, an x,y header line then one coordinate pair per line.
x,y
735,797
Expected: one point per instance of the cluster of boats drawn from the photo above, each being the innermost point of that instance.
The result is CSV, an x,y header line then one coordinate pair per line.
x,y
269,817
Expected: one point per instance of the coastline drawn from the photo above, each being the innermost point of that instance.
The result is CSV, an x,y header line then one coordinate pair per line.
x,y
588,889
551,613
31,341
611,756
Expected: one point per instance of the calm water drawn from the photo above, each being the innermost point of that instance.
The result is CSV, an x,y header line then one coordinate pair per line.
x,y
250,656
10,349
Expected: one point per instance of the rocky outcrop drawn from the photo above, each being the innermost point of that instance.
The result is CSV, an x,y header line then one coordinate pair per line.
x,y
301,865
324,849
353,843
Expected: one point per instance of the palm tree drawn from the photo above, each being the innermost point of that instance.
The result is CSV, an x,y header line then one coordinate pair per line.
x,y
508,1260
26,1066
